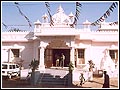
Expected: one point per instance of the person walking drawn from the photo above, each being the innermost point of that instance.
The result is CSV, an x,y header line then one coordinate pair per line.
x,y
82,79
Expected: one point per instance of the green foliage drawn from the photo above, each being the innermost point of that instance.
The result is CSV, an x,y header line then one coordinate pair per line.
x,y
20,63
91,65
71,67
16,30
34,64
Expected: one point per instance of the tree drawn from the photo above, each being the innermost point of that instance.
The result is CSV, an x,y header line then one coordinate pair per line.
x,y
15,30
20,63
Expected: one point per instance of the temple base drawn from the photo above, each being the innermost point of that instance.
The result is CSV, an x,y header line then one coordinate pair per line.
x,y
41,67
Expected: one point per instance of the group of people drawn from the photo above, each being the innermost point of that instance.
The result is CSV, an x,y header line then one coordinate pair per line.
x,y
106,83
87,76
60,60
91,66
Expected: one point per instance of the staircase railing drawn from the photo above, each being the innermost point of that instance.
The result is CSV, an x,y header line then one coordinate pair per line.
x,y
65,78
40,77
65,81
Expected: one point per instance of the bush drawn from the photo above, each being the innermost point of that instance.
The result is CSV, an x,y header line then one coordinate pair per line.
x,y
71,67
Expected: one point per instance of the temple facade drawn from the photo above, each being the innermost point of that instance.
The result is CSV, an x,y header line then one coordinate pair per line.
x,y
47,41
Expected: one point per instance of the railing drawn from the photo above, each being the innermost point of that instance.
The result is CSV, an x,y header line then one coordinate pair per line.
x,y
40,79
65,80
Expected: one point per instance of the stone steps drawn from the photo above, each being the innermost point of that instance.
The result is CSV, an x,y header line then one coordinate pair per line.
x,y
53,76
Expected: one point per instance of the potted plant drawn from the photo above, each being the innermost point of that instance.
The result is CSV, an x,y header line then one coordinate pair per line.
x,y
33,66
71,68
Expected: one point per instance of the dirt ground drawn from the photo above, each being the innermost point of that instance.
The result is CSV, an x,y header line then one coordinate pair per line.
x,y
16,83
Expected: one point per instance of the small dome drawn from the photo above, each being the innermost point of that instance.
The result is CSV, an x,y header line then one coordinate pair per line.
x,y
71,15
86,22
38,22
45,16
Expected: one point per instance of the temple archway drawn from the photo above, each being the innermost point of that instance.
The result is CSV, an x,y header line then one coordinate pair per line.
x,y
56,47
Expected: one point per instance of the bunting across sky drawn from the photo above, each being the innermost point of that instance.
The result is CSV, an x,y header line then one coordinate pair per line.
x,y
114,23
106,14
78,6
77,13
48,9
17,5
5,25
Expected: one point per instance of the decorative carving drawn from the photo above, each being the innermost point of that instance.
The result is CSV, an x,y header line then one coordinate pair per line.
x,y
60,17
57,43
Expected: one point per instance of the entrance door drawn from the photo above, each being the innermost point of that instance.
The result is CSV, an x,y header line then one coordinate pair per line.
x,y
48,58
58,52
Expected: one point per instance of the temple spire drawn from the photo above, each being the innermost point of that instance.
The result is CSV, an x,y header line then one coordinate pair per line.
x,y
60,9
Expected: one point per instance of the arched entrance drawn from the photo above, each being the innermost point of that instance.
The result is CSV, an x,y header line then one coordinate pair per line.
x,y
56,47
58,52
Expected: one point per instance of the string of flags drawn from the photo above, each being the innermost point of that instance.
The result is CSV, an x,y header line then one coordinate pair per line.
x,y
77,13
48,9
5,25
78,5
17,5
114,23
106,14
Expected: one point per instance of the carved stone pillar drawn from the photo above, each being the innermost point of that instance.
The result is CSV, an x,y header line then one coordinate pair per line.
x,y
72,54
41,62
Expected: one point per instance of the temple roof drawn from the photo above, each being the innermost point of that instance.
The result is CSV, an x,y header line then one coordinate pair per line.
x,y
60,17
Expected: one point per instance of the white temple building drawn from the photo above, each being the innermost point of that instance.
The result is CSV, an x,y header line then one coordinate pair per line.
x,y
46,41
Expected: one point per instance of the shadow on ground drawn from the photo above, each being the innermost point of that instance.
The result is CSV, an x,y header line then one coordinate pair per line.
x,y
17,83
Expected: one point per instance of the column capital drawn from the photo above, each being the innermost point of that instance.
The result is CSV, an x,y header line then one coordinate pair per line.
x,y
42,47
71,47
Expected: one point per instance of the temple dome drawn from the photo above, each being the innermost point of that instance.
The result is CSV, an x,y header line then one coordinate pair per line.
x,y
60,17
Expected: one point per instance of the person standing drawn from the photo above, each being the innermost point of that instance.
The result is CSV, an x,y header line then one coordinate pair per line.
x,y
62,60
106,80
57,60
91,66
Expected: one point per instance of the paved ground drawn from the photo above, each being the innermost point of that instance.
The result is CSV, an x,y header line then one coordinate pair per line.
x,y
98,83
17,83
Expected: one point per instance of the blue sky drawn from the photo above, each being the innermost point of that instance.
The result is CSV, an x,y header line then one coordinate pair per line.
x,y
91,11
